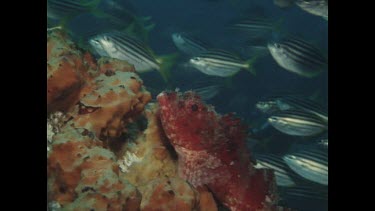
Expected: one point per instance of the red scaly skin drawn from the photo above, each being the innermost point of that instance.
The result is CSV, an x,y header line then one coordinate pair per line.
x,y
211,151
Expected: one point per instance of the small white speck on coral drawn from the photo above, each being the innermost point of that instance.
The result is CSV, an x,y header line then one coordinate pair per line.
x,y
127,160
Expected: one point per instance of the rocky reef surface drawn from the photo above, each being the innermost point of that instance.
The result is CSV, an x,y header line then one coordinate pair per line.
x,y
107,149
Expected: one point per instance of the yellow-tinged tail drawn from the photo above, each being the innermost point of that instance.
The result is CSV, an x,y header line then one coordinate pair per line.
x,y
250,65
139,29
167,62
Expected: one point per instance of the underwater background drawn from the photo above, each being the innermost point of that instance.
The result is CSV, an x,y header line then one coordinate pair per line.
x,y
240,93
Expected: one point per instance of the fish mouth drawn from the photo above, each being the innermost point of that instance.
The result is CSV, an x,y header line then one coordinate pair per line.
x,y
271,45
194,60
261,105
176,35
94,42
272,119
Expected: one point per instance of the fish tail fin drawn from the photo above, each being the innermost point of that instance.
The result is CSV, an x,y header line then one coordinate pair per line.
x,y
149,27
250,65
140,28
167,62
145,26
129,29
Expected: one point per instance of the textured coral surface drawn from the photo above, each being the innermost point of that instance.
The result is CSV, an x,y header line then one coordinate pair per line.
x,y
66,72
81,170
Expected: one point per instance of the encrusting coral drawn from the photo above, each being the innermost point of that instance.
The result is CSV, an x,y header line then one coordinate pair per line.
x,y
81,170
148,153
106,147
66,72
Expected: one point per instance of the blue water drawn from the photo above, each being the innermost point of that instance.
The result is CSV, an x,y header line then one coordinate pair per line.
x,y
207,19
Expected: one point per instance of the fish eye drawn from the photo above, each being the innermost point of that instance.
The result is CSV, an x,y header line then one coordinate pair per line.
x,y
194,107
277,45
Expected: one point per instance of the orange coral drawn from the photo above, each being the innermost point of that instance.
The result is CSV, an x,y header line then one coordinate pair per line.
x,y
104,108
168,194
66,73
80,169
206,200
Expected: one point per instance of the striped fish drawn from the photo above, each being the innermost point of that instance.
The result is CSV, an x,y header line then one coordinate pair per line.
x,y
286,101
269,103
98,47
87,26
276,163
314,7
302,103
188,44
58,9
220,63
298,56
119,45
268,107
297,123
310,163
254,27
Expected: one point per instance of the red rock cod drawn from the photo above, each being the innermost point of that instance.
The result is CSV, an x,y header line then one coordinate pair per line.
x,y
212,152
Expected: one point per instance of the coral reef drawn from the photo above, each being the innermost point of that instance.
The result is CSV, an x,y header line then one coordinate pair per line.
x,y
54,123
150,153
168,194
110,148
83,175
65,72
106,149
103,109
